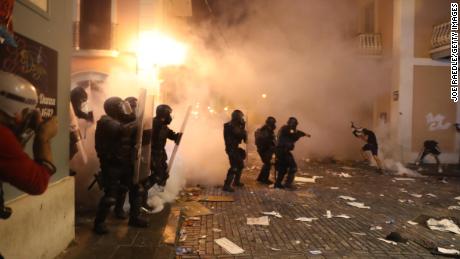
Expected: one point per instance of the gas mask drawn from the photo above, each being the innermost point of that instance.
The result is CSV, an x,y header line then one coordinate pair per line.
x,y
125,108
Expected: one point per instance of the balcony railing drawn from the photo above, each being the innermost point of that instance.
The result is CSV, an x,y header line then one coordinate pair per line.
x,y
440,41
370,44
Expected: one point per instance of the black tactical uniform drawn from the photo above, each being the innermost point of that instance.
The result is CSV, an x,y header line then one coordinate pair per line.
x,y
265,142
115,149
234,134
79,98
160,133
285,162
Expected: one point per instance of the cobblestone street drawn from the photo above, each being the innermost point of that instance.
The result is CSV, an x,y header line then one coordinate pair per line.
x,y
393,202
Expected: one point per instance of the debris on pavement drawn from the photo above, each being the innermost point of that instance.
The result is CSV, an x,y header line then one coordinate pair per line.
x,y
448,251
431,195
194,208
375,228
211,198
454,208
344,216
183,250
348,198
444,180
315,252
443,225
396,237
416,195
305,219
403,179
345,175
273,213
262,221
413,223
275,249
334,188
387,241
328,214
307,179
404,201
358,205
229,246
457,198
182,235
358,233
216,230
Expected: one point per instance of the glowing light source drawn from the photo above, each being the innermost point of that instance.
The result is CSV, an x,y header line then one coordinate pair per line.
x,y
225,108
156,49
264,96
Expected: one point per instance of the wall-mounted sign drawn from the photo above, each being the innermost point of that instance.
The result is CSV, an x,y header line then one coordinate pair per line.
x,y
37,64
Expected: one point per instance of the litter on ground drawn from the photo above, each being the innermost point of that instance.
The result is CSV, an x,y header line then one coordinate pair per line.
x,y
229,246
358,205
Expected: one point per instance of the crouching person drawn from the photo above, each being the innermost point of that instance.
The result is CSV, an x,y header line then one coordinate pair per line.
x,y
430,147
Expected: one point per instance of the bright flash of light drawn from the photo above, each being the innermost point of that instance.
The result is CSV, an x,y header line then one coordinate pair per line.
x,y
264,96
156,49
225,108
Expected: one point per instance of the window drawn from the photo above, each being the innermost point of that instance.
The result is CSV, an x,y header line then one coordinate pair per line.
x,y
95,24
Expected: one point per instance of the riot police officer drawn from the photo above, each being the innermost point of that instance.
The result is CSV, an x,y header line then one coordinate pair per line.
x,y
160,134
285,162
234,134
114,147
265,142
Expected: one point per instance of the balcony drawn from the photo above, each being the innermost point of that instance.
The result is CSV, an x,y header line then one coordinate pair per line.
x,y
370,44
440,41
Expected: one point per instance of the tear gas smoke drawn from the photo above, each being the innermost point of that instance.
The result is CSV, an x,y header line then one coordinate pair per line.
x,y
280,58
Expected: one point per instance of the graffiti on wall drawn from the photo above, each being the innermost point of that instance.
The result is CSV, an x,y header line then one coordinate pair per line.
x,y
436,122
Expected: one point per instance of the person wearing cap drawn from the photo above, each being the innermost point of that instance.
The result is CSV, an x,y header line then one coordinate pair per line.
x,y
370,149
285,163
19,121
265,141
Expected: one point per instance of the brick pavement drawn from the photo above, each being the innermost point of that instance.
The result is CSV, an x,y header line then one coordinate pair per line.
x,y
334,237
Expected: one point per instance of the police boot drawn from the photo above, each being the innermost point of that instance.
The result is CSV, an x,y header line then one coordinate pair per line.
x,y
136,197
237,181
102,212
119,212
228,181
279,180
290,181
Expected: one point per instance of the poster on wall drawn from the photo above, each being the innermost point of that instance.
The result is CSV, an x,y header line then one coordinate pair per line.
x,y
37,64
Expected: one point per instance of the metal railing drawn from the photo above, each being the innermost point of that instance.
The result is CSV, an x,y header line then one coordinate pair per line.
x,y
440,41
370,44
441,35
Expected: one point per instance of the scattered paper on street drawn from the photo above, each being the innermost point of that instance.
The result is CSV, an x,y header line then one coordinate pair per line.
x,y
431,195
307,179
404,179
229,246
217,230
305,219
448,251
457,198
416,195
334,188
454,208
263,221
345,175
348,198
376,228
444,225
315,252
388,241
194,208
275,249
358,233
412,222
328,214
358,205
342,216
273,213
